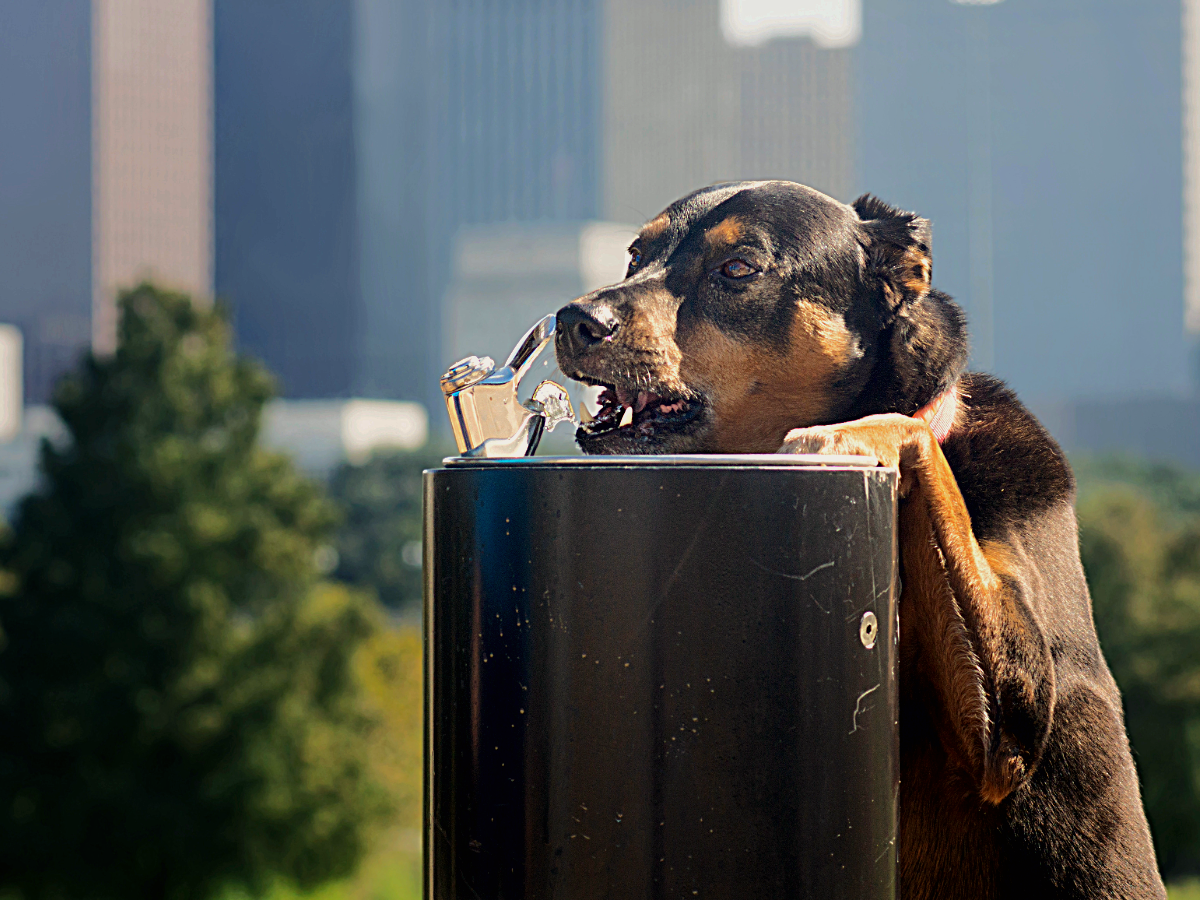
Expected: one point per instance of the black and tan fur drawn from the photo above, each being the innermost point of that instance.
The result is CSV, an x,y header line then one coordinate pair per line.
x,y
776,318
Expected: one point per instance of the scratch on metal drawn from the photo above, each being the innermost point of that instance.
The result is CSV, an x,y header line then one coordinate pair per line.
x,y
804,577
858,706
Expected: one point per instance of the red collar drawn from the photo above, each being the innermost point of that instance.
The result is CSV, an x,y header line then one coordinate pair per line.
x,y
939,413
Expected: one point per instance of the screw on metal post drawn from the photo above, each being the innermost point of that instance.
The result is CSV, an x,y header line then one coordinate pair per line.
x,y
868,629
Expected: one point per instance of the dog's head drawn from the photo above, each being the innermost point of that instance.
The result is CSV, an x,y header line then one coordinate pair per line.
x,y
753,308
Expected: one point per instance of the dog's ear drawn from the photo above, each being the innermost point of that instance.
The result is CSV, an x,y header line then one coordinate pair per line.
x,y
928,335
897,247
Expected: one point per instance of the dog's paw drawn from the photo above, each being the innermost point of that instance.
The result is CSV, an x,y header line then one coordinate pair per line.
x,y
818,439
881,436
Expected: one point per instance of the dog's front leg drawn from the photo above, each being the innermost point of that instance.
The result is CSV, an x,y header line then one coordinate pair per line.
x,y
979,643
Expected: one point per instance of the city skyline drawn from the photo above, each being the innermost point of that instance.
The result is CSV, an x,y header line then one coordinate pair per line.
x,y
325,162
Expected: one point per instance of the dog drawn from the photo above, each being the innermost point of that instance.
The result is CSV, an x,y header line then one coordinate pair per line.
x,y
763,317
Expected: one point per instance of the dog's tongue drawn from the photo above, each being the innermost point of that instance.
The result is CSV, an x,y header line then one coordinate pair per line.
x,y
638,401
644,399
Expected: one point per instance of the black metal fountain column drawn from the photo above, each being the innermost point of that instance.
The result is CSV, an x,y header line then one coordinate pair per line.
x,y
653,677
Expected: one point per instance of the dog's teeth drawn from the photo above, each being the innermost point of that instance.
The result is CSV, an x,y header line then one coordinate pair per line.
x,y
585,414
627,417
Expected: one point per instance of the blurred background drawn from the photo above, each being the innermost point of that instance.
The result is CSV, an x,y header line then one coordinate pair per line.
x,y
370,189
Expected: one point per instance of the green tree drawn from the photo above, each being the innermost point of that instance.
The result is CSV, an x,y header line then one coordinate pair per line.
x,y
379,541
178,699
1140,543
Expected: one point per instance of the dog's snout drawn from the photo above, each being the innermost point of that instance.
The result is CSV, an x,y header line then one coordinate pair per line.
x,y
584,326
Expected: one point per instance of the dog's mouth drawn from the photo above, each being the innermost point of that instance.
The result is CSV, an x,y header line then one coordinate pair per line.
x,y
635,421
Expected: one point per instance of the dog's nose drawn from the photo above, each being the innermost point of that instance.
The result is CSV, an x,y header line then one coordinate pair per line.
x,y
584,326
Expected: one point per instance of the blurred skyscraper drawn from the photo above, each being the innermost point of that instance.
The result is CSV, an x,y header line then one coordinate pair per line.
x,y
507,276
356,138
468,112
1191,173
693,94
151,150
679,95
105,166
287,235
1044,141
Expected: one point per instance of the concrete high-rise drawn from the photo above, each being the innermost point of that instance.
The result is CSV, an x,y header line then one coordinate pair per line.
x,y
151,150
1191,173
105,166
686,104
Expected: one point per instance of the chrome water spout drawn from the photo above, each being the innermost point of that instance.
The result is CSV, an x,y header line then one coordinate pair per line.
x,y
486,415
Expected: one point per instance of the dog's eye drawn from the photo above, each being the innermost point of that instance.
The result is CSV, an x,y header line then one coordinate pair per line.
x,y
737,268
635,258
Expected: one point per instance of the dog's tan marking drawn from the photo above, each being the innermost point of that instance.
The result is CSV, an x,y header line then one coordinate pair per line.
x,y
654,229
756,395
727,231
916,271
1000,557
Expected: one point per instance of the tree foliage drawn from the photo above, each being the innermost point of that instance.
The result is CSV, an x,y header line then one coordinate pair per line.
x,y
179,704
379,541
1140,542
393,674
